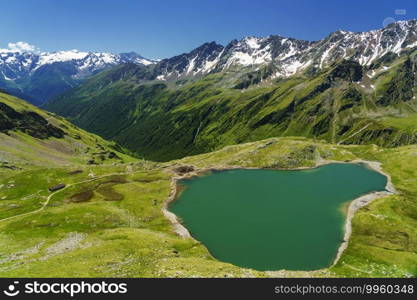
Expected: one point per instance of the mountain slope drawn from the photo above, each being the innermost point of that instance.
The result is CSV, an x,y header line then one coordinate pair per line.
x,y
109,221
40,76
343,103
286,56
350,88
30,137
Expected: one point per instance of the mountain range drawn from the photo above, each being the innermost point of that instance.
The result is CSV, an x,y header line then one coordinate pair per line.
x,y
349,88
39,76
74,204
287,56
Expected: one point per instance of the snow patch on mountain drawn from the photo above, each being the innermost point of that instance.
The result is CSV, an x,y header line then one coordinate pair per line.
x,y
61,56
252,42
21,59
289,56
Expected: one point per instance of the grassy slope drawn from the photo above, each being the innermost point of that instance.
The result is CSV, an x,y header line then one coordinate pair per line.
x,y
167,121
113,225
77,146
40,162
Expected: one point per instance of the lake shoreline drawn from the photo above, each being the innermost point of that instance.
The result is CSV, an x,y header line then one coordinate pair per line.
x,y
360,202
353,206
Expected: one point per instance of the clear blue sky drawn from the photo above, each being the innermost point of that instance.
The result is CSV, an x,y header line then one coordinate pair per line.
x,y
158,29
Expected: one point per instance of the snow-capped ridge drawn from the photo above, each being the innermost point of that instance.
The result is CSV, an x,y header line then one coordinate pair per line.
x,y
21,59
289,55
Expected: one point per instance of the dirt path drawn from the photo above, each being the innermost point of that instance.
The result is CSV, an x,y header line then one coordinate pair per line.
x,y
48,199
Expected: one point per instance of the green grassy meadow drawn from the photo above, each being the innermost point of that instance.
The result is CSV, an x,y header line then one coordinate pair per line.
x,y
111,224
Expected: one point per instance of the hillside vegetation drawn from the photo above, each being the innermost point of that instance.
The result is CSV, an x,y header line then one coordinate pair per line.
x,y
108,220
345,103
32,137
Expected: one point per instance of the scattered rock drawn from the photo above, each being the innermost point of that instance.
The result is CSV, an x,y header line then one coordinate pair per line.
x,y
91,161
71,242
184,169
113,155
22,254
7,165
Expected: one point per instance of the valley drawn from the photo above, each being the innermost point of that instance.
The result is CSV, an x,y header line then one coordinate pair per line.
x,y
348,98
88,179
109,219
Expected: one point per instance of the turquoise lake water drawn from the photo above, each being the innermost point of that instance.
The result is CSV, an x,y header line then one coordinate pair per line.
x,y
273,219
